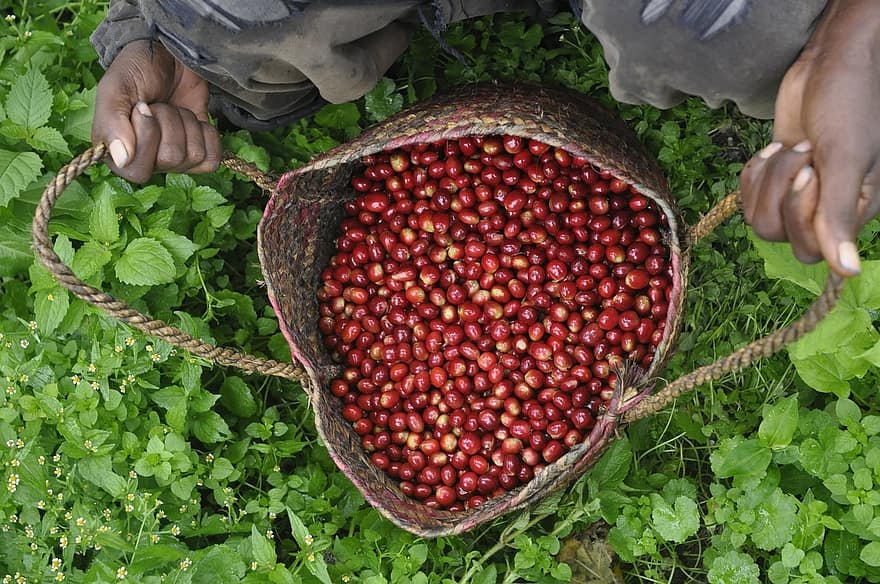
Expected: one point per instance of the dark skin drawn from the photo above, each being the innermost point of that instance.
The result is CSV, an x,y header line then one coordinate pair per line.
x,y
814,186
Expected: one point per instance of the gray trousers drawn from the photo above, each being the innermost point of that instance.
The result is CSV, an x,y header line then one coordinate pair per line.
x,y
272,61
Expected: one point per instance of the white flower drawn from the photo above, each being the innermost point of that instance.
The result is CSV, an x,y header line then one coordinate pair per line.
x,y
185,564
24,343
121,573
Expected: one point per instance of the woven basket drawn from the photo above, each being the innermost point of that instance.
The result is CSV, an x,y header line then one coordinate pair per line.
x,y
296,239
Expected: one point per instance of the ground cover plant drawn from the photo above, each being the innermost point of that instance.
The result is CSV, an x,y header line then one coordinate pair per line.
x,y
124,460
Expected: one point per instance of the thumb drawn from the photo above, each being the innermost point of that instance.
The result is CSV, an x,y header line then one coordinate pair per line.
x,y
837,216
112,122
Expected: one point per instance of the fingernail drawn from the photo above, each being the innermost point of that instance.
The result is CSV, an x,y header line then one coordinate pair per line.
x,y
848,256
803,177
144,109
769,150
118,153
802,147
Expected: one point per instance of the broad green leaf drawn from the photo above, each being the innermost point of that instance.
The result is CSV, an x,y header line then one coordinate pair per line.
x,y
775,519
49,139
236,396
382,101
734,568
17,170
824,373
740,457
98,471
488,575
613,466
262,548
182,487
78,122
298,528
675,523
103,224
145,263
338,116
870,554
210,428
89,258
50,308
204,198
15,246
780,263
29,102
848,412
318,568
220,565
779,423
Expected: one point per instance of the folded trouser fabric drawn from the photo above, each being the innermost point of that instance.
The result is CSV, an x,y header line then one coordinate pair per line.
x,y
270,62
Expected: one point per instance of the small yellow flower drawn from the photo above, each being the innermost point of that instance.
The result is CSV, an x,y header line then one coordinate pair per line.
x,y
346,578
24,377
62,541
129,507
32,325
309,539
19,579
149,348
10,18
19,443
50,297
76,379
129,497
129,341
68,515
107,514
14,463
53,530
311,557
121,573
41,504
183,509
154,538
155,357
28,34
160,514
95,385
270,534
56,458
92,368
80,521
87,443
118,348
185,564
24,343
276,468
132,474
10,390
253,566
28,531
56,564
131,378
59,577
13,518
57,471
12,483
272,515
41,460
209,458
175,531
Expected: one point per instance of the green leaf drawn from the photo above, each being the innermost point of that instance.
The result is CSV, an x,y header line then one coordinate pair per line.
x,y
338,116
97,470
210,428
180,246
870,554
89,259
220,565
613,466
145,263
779,423
29,102
675,523
382,101
50,308
734,568
237,398
49,139
17,170
204,198
297,528
780,263
737,457
103,224
488,575
263,550
848,412
78,122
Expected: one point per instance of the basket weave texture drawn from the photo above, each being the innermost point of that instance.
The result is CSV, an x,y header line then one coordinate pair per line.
x,y
296,239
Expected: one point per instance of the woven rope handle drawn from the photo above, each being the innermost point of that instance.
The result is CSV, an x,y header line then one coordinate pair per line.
x,y
121,310
747,355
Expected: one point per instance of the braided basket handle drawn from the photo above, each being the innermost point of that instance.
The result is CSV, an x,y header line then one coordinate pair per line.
x,y
121,310
745,356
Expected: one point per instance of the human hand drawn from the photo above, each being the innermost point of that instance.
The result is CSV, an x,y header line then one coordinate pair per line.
x,y
152,112
816,184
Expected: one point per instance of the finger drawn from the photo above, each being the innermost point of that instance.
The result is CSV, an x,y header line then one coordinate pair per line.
x,y
111,124
142,164
776,182
195,141
172,146
750,178
799,209
841,171
213,150
869,201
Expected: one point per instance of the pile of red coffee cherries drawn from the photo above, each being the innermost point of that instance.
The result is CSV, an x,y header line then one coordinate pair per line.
x,y
484,293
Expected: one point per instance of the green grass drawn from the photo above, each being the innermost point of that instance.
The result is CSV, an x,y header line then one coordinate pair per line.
x,y
164,468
